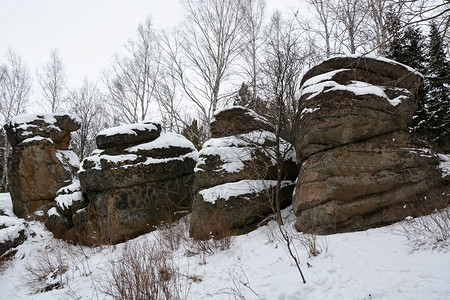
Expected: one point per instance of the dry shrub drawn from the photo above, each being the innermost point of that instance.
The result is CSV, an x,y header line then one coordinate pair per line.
x,y
313,244
285,236
433,230
239,285
212,236
48,270
145,271
173,230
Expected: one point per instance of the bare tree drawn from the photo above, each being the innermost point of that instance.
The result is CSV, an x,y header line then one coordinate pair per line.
x,y
203,52
87,103
52,81
282,69
324,13
131,82
15,86
351,15
253,14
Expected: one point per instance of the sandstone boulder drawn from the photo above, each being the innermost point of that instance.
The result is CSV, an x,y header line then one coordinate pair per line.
x,y
132,187
363,185
128,135
242,156
360,168
40,162
237,120
350,99
235,175
56,127
235,208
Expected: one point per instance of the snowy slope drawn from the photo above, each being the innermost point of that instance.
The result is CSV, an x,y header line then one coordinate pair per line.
x,y
374,264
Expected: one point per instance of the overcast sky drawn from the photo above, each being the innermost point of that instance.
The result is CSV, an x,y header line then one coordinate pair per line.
x,y
86,32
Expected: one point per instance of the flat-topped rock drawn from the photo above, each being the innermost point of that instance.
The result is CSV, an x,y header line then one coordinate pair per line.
x,y
237,120
133,184
165,158
369,68
235,207
41,162
126,135
355,102
56,127
243,156
236,175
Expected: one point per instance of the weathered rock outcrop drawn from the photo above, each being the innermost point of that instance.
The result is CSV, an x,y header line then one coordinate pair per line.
x,y
360,168
12,231
346,100
41,162
137,178
236,175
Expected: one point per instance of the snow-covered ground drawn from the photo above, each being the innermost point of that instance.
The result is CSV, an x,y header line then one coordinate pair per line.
x,y
375,264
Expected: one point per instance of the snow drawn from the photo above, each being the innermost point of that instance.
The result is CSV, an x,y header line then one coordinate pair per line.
x,y
30,118
69,194
128,129
308,110
36,138
358,88
444,165
247,110
49,118
373,264
10,225
233,158
69,157
379,58
165,140
327,76
233,189
52,212
235,150
115,159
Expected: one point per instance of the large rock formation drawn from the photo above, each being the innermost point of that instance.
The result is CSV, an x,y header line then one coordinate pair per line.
x,y
41,162
360,168
236,175
137,178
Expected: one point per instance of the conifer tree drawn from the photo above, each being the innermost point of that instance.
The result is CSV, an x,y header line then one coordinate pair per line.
x,y
437,100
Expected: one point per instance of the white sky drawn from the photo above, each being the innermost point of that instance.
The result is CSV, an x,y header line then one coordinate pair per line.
x,y
86,32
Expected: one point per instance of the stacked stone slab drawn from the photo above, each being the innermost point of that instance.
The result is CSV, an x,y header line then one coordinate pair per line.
x,y
360,168
138,177
41,162
235,177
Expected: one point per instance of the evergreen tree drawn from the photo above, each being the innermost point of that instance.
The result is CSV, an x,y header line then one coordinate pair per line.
x,y
245,97
195,134
393,31
408,47
437,100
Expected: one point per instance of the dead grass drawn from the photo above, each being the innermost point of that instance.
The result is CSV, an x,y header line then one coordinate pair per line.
x,y
145,271
429,230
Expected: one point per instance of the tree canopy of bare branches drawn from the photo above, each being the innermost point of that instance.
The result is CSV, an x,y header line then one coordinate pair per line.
x,y
15,86
87,103
203,50
131,82
52,81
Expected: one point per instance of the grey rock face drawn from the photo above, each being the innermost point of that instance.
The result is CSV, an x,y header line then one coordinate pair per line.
x,y
140,177
236,174
359,165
